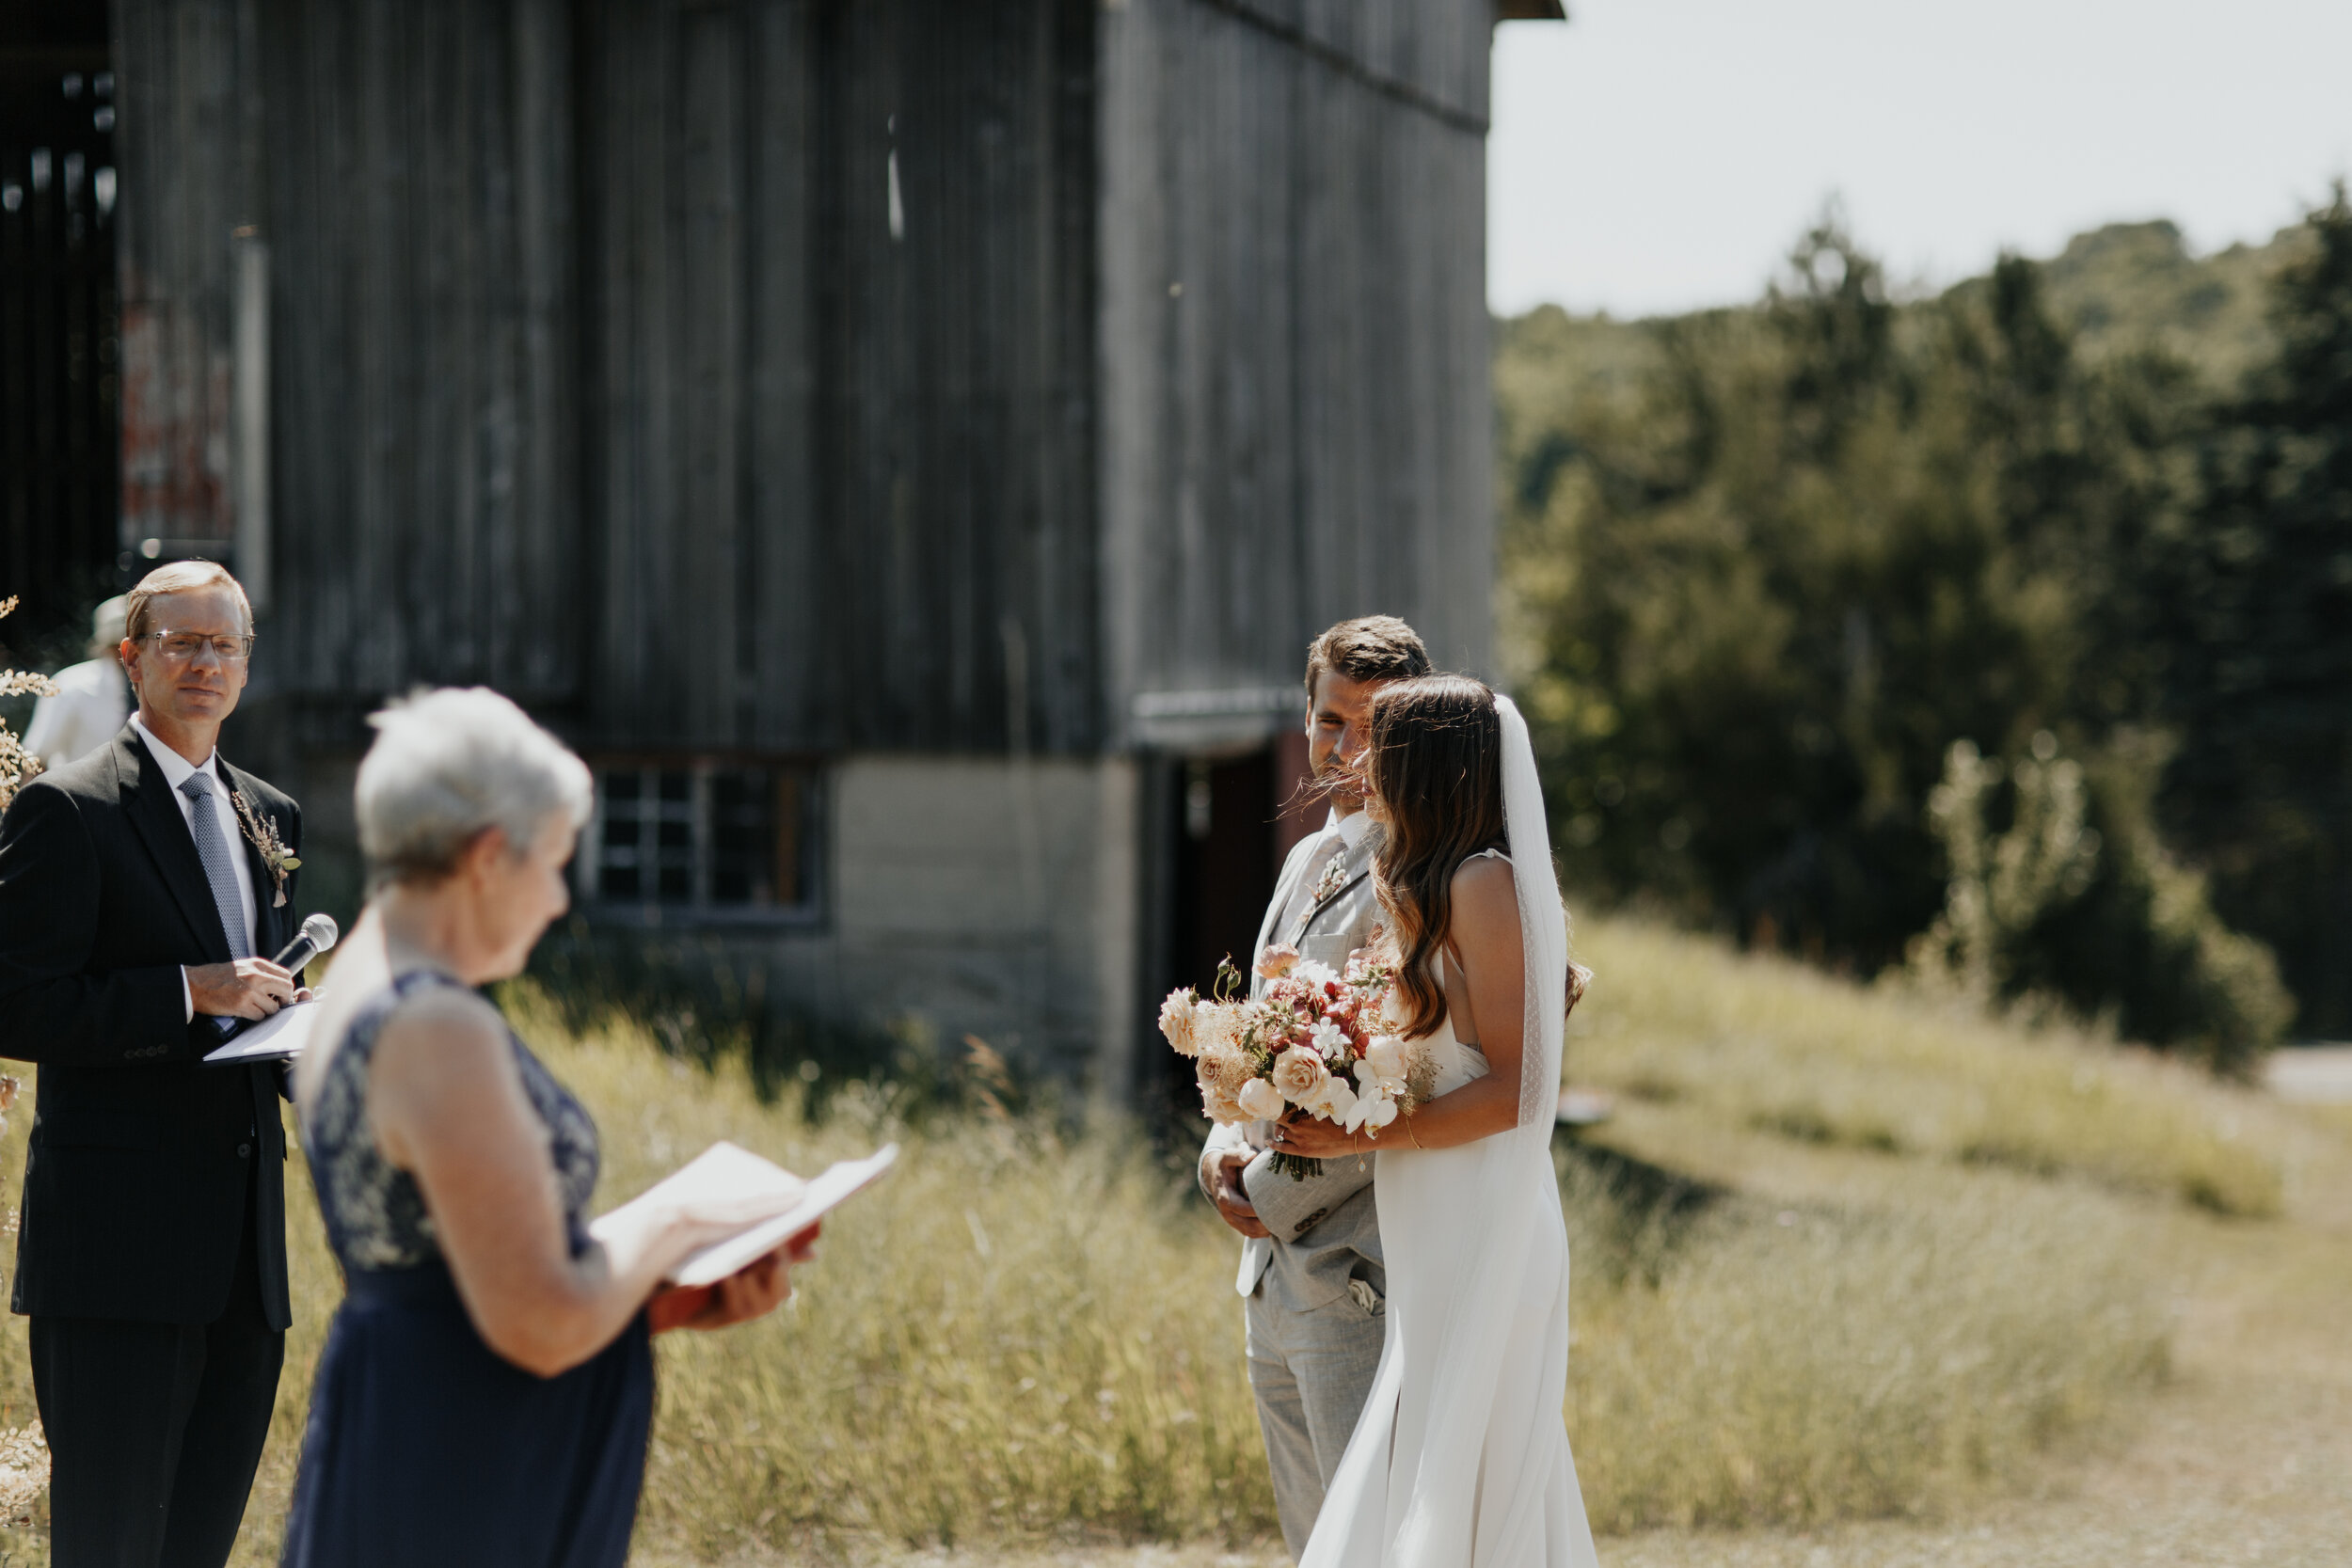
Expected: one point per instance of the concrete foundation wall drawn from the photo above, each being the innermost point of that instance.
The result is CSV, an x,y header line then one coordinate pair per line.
x,y
983,896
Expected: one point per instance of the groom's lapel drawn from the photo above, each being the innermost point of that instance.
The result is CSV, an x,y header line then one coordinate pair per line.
x,y
1284,887
1359,867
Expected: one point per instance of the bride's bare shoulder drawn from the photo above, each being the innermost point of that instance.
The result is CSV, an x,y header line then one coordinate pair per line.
x,y
1485,892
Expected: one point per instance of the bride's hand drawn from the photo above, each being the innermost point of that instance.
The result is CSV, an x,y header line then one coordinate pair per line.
x,y
1313,1138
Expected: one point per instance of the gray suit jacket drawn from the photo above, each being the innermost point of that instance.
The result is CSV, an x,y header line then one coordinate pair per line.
x,y
1327,1231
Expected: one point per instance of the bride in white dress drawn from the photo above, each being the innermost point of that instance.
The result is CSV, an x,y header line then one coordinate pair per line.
x,y
1461,1458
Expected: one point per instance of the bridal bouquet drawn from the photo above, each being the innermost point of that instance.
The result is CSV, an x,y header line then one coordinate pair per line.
x,y
1316,1041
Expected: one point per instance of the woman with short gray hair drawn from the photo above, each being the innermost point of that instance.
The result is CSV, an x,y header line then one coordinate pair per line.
x,y
486,1389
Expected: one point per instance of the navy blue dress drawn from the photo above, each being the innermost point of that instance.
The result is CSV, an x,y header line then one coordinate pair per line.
x,y
424,1446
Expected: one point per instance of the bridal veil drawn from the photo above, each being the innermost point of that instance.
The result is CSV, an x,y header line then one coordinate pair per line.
x,y
1461,1458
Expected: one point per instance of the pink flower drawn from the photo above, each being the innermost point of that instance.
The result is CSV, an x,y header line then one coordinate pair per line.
x,y
1278,960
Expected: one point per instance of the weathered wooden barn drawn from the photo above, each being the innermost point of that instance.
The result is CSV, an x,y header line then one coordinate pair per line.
x,y
906,444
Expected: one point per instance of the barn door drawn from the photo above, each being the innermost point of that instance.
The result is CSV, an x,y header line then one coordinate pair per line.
x,y
1224,823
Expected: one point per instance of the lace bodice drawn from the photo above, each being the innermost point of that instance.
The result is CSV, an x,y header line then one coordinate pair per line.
x,y
375,1216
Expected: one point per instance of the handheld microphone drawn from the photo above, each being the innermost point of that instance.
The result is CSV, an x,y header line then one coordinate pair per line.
x,y
319,933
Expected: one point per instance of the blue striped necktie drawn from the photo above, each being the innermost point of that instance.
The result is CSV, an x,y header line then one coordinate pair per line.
x,y
219,869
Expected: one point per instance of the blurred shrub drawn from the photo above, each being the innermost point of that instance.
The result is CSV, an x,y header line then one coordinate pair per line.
x,y
2051,908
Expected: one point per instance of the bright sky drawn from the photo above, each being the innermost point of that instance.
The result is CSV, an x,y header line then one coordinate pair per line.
x,y
1656,155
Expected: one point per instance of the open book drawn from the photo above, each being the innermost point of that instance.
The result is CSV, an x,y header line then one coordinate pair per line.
x,y
775,1204
277,1037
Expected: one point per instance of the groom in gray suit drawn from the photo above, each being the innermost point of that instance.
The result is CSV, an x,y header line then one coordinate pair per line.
x,y
1311,1280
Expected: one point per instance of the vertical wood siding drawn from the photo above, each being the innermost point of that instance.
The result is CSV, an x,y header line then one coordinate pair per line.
x,y
843,477
822,374
1295,333
423,365
185,185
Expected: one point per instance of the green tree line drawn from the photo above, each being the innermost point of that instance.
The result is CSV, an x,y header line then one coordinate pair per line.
x,y
1915,634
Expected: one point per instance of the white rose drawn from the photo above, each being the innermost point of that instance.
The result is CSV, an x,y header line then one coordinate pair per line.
x,y
1384,1056
1315,975
1299,1074
1260,1101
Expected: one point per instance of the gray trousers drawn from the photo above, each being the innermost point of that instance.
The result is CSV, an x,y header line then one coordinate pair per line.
x,y
1311,1371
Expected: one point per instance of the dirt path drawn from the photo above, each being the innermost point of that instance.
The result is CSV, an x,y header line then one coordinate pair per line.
x,y
2316,1074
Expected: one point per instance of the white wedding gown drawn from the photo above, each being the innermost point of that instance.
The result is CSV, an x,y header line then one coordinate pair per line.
x,y
1461,1457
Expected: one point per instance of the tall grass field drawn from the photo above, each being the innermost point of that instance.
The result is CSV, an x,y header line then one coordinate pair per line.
x,y
1029,1333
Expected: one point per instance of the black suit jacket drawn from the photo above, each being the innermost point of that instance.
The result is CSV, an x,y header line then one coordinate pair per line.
x,y
140,1156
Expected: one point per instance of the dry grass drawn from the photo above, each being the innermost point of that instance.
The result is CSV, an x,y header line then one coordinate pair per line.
x,y
1796,1366
1028,1335
1773,1045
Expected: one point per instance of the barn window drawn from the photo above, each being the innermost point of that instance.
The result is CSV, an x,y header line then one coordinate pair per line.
x,y
703,837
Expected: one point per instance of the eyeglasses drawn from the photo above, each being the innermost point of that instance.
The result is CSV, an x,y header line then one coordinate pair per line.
x,y
182,646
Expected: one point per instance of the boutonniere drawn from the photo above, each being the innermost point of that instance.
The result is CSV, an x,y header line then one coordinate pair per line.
x,y
262,835
1333,878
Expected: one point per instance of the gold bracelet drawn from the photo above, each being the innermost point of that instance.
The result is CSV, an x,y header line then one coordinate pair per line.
x,y
1411,1133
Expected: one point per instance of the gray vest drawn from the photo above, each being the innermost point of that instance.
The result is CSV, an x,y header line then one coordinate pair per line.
x,y
1325,1229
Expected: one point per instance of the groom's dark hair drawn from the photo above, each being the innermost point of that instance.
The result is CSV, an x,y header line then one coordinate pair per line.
x,y
1369,648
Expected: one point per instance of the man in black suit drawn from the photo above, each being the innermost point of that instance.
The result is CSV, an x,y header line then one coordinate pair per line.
x,y
142,889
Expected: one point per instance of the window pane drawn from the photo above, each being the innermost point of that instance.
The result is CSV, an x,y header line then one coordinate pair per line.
x,y
791,880
617,854
740,832
704,834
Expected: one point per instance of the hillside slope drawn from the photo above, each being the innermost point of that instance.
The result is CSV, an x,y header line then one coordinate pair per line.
x,y
2121,288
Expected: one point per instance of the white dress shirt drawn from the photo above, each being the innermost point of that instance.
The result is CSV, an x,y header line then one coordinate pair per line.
x,y
177,771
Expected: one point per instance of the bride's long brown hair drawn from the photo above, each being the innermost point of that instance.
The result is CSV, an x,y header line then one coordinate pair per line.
x,y
1435,763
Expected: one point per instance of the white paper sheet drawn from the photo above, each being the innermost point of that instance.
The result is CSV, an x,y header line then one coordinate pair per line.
x,y
277,1037
775,1204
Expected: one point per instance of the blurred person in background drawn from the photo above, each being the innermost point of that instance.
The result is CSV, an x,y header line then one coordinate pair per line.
x,y
137,887
486,1390
92,698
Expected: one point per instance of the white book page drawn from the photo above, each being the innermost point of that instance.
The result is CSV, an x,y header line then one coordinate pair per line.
x,y
774,1204
279,1037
